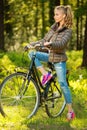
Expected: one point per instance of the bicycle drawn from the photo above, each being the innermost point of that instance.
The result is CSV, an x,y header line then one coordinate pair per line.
x,y
23,93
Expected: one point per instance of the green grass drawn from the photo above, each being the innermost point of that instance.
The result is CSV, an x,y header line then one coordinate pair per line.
x,y
78,86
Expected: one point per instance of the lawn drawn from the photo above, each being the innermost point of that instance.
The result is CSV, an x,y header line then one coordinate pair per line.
x,y
13,61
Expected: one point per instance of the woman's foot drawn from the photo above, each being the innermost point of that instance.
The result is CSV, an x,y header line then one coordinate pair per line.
x,y
70,115
46,78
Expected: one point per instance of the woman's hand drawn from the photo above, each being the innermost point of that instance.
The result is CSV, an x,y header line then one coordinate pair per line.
x,y
27,47
37,45
47,43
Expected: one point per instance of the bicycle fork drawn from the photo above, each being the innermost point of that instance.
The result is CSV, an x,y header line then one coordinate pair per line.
x,y
24,87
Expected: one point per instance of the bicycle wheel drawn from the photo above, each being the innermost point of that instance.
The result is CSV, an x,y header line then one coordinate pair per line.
x,y
18,97
55,102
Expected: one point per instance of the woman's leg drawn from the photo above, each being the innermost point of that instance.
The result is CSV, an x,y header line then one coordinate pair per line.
x,y
61,74
41,56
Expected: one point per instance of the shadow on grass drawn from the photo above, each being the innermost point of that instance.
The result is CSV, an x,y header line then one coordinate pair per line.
x,y
50,127
42,122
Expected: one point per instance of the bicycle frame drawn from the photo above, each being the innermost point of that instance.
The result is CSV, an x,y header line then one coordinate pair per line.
x,y
48,94
33,72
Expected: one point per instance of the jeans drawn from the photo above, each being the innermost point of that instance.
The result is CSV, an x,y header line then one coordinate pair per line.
x,y
60,68
40,56
61,74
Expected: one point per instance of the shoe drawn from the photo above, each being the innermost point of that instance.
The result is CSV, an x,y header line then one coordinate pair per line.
x,y
46,78
70,116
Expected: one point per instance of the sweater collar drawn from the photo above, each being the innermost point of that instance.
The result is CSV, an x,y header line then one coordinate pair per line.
x,y
54,27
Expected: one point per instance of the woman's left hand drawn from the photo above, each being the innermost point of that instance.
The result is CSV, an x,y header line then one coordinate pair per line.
x,y
47,43
37,45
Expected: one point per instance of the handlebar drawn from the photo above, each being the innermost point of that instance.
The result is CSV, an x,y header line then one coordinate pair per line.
x,y
37,48
43,49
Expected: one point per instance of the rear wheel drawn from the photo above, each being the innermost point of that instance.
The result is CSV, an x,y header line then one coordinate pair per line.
x,y
18,97
55,102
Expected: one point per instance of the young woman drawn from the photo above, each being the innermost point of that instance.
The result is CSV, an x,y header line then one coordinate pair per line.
x,y
56,40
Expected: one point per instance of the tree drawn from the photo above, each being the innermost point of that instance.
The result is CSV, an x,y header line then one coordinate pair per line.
x,y
81,28
36,19
52,4
84,63
1,25
82,11
27,21
65,2
43,18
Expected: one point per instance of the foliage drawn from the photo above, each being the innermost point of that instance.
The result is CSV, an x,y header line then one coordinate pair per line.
x,y
34,18
82,10
26,24
11,62
78,87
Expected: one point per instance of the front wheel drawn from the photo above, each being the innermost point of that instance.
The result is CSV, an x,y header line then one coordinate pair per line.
x,y
18,97
55,102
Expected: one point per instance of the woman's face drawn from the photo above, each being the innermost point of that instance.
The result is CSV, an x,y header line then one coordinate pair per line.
x,y
58,15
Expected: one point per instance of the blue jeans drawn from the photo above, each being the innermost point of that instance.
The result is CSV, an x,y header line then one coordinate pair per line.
x,y
60,68
61,74
40,56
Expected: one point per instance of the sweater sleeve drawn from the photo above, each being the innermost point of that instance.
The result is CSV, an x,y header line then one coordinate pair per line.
x,y
41,42
46,37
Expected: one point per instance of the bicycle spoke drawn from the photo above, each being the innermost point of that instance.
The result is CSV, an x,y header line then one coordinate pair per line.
x,y
55,102
14,94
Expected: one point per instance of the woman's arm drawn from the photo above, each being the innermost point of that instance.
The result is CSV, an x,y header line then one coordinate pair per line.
x,y
61,43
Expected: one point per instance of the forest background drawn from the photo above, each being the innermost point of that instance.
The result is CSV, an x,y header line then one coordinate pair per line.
x,y
24,21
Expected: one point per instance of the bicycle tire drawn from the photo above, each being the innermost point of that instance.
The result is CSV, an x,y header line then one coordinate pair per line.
x,y
55,102
12,99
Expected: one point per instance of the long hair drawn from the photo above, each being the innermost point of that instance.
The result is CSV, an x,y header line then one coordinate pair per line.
x,y
68,14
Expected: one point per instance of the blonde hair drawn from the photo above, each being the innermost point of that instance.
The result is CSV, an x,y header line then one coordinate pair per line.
x,y
68,14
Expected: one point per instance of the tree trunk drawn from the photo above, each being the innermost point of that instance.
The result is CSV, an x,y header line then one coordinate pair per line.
x,y
84,63
36,19
65,2
43,19
77,29
1,25
77,32
52,4
81,28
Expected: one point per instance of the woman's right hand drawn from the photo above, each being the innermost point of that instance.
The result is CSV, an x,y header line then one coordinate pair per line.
x,y
27,47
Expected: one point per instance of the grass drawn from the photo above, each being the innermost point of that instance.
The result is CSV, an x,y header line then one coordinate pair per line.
x,y
78,86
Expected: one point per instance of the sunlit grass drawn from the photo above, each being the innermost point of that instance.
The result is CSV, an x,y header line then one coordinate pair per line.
x,y
79,123
78,87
